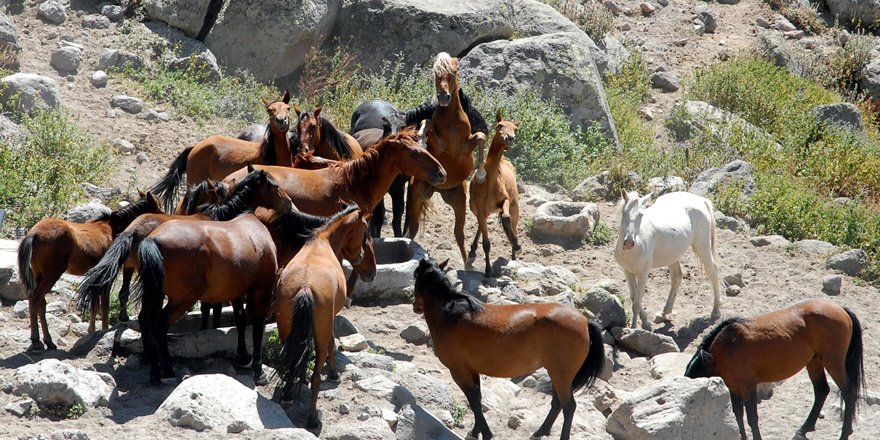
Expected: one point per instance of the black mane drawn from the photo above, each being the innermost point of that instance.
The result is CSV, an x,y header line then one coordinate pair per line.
x,y
431,280
700,364
122,217
297,228
426,109
329,131
238,201
196,191
267,147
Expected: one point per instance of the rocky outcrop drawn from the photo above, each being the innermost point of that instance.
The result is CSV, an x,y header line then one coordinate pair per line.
x,y
51,381
186,15
856,12
738,173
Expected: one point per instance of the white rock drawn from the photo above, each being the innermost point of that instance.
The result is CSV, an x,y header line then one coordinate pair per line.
x,y
355,342
668,365
569,222
99,78
416,423
644,342
51,381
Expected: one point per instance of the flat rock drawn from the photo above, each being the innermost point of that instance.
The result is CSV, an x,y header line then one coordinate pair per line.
x,y
342,326
534,278
355,342
129,104
668,365
428,391
815,247
738,172
416,333
769,240
644,342
373,428
21,407
115,60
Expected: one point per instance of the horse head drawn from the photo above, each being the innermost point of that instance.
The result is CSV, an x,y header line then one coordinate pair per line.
x,y
631,217
279,113
366,267
412,159
445,78
308,128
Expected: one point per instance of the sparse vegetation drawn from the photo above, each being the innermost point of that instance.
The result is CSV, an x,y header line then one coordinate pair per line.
x,y
804,17
591,16
458,413
602,235
272,350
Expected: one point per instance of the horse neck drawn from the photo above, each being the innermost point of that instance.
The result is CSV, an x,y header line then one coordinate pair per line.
x,y
433,311
371,175
280,144
333,235
496,152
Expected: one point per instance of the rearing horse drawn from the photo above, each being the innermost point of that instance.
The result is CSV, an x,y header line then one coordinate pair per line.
x,y
450,140
216,156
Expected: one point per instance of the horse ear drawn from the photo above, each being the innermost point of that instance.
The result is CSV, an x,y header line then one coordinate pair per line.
x,y
646,198
296,109
265,103
624,195
286,97
442,265
317,112
498,116
250,167
141,194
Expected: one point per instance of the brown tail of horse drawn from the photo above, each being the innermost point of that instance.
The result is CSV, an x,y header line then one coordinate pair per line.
x,y
594,362
855,369
25,272
148,290
297,350
99,278
166,188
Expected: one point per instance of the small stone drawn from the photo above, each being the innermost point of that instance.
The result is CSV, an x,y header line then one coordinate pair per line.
x,y
794,35
623,27
154,115
390,417
129,104
667,82
99,78
647,8
21,309
95,22
628,12
113,12
52,11
417,333
783,24
832,284
612,6
680,42
732,290
344,409
851,262
513,422
663,2
646,114
735,279
707,17
21,408
355,342
65,59
142,157
762,22
123,146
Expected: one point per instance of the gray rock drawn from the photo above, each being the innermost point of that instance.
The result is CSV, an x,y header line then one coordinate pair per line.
x,y
815,247
115,60
597,187
51,381
113,12
669,365
665,184
355,342
732,290
676,408
605,306
21,407
186,15
69,434
99,78
21,309
11,288
10,132
123,146
762,22
856,12
66,59
842,114
56,308
128,104
397,259
707,17
371,360
416,423
782,24
647,8
216,402
557,66
610,55
343,327
870,80
8,32
428,390
536,279
769,240
374,428
773,47
730,223
52,11
738,172
832,284
417,333
280,434
186,53
384,388
728,2
851,262
644,342
735,279
89,211
667,82
612,6
95,21
565,222
154,115
32,91
701,118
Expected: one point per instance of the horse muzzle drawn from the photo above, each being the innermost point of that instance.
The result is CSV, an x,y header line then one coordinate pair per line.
x,y
367,277
438,177
416,309
443,99
508,141
628,244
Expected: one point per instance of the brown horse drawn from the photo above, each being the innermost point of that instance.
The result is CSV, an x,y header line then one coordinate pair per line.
x,y
317,134
54,247
310,291
217,156
472,338
816,333
120,254
497,193
451,142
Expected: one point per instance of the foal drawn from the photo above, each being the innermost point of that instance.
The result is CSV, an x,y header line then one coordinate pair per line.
x,y
473,338
497,192
816,333
659,236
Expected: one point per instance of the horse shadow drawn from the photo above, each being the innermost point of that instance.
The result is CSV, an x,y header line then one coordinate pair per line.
x,y
684,336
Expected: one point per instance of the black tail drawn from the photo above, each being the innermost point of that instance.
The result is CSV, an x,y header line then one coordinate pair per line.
x,y
166,188
149,290
855,369
99,278
594,362
297,350
25,272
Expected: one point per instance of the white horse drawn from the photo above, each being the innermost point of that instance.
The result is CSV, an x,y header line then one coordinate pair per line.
x,y
658,236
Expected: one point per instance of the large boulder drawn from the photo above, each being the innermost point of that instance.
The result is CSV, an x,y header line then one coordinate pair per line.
x,y
87,212
31,90
51,382
856,12
187,53
678,408
186,15
216,402
603,305
851,262
115,60
558,66
702,118
8,32
841,114
738,172
11,289
272,40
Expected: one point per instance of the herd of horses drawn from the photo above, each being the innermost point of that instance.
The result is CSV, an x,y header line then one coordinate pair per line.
x,y
268,217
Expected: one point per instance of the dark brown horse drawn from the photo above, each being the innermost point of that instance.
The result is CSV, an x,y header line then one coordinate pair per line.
x,y
451,142
217,156
318,135
54,247
310,291
472,338
816,333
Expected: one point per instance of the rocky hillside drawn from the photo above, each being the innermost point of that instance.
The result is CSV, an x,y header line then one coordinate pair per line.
x,y
108,65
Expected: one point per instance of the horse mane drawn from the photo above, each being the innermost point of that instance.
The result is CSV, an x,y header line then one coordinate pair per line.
x,y
353,170
331,221
456,305
333,135
443,65
426,109
297,228
699,364
267,148
238,201
124,216
192,195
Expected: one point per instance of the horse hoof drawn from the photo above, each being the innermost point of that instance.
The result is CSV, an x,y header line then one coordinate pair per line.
x,y
51,346
799,436
262,379
123,318
36,348
659,319
244,362
470,437
169,380
333,376
715,316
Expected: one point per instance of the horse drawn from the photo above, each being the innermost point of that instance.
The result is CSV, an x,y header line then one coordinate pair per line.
x,y
374,114
659,236
119,254
816,333
310,291
53,247
497,193
316,133
473,338
450,140
217,156
214,261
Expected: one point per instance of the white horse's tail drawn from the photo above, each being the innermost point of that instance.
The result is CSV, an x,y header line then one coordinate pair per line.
x,y
712,227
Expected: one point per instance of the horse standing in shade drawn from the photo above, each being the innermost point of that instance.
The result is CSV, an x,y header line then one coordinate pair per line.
x,y
450,140
816,333
472,338
53,247
217,156
659,236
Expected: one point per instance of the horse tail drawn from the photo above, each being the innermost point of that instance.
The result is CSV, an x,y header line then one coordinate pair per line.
x,y
594,362
297,350
101,277
166,188
149,288
855,369
25,271
711,210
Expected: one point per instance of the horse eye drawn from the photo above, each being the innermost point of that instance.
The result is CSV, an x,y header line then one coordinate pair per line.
x,y
312,129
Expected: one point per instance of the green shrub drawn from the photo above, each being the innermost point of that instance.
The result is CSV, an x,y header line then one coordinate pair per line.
x,y
42,176
591,16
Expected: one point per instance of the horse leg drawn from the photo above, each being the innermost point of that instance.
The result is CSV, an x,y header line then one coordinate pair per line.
x,y
218,313
737,404
457,199
510,212
242,358
487,245
397,203
675,275
320,358
633,291
350,283
34,311
332,373
472,255
257,310
704,253
378,219
206,314
47,338
820,393
124,293
555,408
568,409
470,386
751,404
419,194
170,313
836,367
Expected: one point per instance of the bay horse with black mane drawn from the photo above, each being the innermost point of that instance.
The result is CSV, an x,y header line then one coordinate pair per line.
x,y
318,135
473,338
217,156
53,247
310,291
816,333
450,140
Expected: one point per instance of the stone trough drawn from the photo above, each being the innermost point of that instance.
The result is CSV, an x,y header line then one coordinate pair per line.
x,y
565,223
396,259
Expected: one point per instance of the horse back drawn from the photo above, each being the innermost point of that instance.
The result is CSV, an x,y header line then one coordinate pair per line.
x,y
216,156
76,247
317,267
